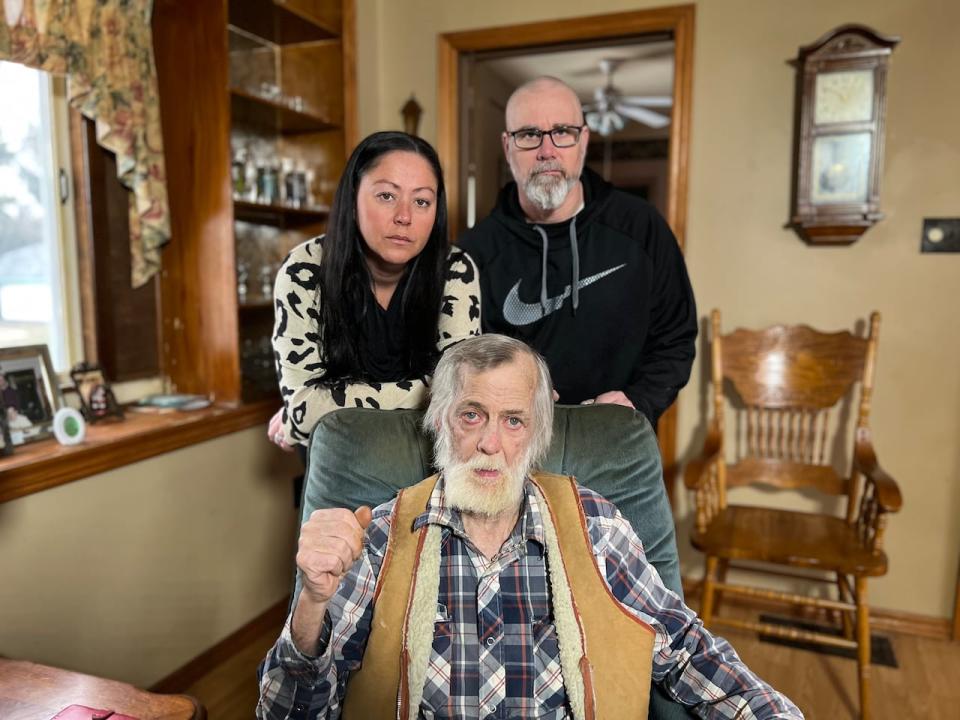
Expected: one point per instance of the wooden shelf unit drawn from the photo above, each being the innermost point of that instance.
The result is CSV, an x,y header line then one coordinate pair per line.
x,y
289,22
287,103
296,49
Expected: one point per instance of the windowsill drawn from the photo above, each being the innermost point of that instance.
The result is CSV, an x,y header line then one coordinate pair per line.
x,y
45,463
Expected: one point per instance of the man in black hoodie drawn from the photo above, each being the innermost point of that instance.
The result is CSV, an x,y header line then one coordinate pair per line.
x,y
590,276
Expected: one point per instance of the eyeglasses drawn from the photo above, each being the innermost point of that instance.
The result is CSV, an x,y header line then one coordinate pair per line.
x,y
562,136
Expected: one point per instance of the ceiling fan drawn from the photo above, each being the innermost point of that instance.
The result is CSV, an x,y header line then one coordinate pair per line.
x,y
610,110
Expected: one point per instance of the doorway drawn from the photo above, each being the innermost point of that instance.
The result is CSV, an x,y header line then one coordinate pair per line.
x,y
636,30
625,86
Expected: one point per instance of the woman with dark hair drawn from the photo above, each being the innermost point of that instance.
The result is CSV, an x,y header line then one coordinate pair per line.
x,y
363,312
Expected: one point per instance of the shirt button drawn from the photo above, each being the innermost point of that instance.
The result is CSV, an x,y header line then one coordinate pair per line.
x,y
490,642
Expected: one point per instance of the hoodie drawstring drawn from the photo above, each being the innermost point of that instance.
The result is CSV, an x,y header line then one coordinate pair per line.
x,y
575,252
575,262
543,268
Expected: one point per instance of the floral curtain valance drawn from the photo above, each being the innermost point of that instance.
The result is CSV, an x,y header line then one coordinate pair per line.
x,y
105,49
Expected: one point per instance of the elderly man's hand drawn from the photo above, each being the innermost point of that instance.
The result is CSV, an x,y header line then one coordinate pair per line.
x,y
330,542
611,397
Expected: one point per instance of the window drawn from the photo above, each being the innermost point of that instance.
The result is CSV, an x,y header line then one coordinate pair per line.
x,y
37,248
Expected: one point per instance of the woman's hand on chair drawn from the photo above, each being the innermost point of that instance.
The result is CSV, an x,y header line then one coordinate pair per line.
x,y
275,432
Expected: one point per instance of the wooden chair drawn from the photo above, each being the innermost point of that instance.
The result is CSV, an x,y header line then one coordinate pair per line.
x,y
794,403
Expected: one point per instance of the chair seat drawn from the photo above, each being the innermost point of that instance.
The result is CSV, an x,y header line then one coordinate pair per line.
x,y
792,538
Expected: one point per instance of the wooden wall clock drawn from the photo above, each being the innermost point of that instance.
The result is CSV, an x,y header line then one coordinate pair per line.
x,y
841,101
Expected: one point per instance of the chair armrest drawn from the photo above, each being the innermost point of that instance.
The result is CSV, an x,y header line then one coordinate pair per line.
x,y
887,492
696,474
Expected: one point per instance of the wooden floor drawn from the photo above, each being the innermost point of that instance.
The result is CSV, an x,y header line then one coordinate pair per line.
x,y
229,691
926,685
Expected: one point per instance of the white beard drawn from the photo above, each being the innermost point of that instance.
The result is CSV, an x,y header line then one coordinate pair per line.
x,y
546,191
465,492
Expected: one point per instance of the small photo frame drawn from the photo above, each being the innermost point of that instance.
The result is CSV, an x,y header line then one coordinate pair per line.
x,y
97,401
29,392
6,444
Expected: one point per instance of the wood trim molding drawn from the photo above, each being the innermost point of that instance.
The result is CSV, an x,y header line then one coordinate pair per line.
x,y
956,610
198,297
86,280
45,464
348,40
895,621
185,676
677,20
448,123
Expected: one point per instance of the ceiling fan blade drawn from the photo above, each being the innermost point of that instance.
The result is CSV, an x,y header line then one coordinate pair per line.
x,y
644,116
646,100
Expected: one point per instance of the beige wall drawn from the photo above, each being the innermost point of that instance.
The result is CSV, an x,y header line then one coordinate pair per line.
x,y
740,257
132,573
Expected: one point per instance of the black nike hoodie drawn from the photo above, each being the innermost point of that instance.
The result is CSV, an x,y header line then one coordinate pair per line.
x,y
604,297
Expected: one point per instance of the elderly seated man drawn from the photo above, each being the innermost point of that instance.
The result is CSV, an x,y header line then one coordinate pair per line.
x,y
490,590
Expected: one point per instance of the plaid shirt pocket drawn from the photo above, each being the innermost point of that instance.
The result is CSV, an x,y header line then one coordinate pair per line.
x,y
437,687
548,692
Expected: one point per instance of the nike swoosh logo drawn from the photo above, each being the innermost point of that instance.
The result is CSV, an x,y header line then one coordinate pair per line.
x,y
518,313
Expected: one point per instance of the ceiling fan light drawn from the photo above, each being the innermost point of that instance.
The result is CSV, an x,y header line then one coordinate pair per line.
x,y
606,125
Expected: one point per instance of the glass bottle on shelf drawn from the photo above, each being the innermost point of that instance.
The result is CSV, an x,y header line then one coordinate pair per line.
x,y
274,183
238,174
309,180
289,182
268,186
300,173
250,178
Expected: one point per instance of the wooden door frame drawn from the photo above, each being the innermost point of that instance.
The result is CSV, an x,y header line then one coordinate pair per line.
x,y
677,20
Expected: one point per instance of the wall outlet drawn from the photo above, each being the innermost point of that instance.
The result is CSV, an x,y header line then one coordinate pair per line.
x,y
940,235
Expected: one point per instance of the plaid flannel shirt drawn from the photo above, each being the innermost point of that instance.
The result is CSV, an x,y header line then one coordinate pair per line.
x,y
495,652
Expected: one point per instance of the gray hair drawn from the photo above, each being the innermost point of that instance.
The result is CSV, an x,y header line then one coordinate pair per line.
x,y
485,353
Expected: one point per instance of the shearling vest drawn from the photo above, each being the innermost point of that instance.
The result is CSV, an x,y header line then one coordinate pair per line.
x,y
606,668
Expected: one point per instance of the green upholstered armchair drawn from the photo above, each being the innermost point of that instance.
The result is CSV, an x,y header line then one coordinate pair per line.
x,y
361,456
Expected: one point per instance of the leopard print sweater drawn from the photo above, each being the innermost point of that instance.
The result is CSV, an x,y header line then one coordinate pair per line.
x,y
297,350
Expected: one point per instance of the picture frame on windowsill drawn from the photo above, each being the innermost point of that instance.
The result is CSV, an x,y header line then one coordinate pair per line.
x,y
97,401
29,392
6,444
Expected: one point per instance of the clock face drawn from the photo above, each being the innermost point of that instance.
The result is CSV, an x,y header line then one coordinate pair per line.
x,y
845,96
841,168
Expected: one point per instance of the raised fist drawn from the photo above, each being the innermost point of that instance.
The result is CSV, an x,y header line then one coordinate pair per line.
x,y
330,542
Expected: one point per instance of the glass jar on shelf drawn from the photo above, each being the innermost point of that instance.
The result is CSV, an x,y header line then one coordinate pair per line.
x,y
266,281
243,276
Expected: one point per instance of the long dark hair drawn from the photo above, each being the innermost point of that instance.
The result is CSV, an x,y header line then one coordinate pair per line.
x,y
345,280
